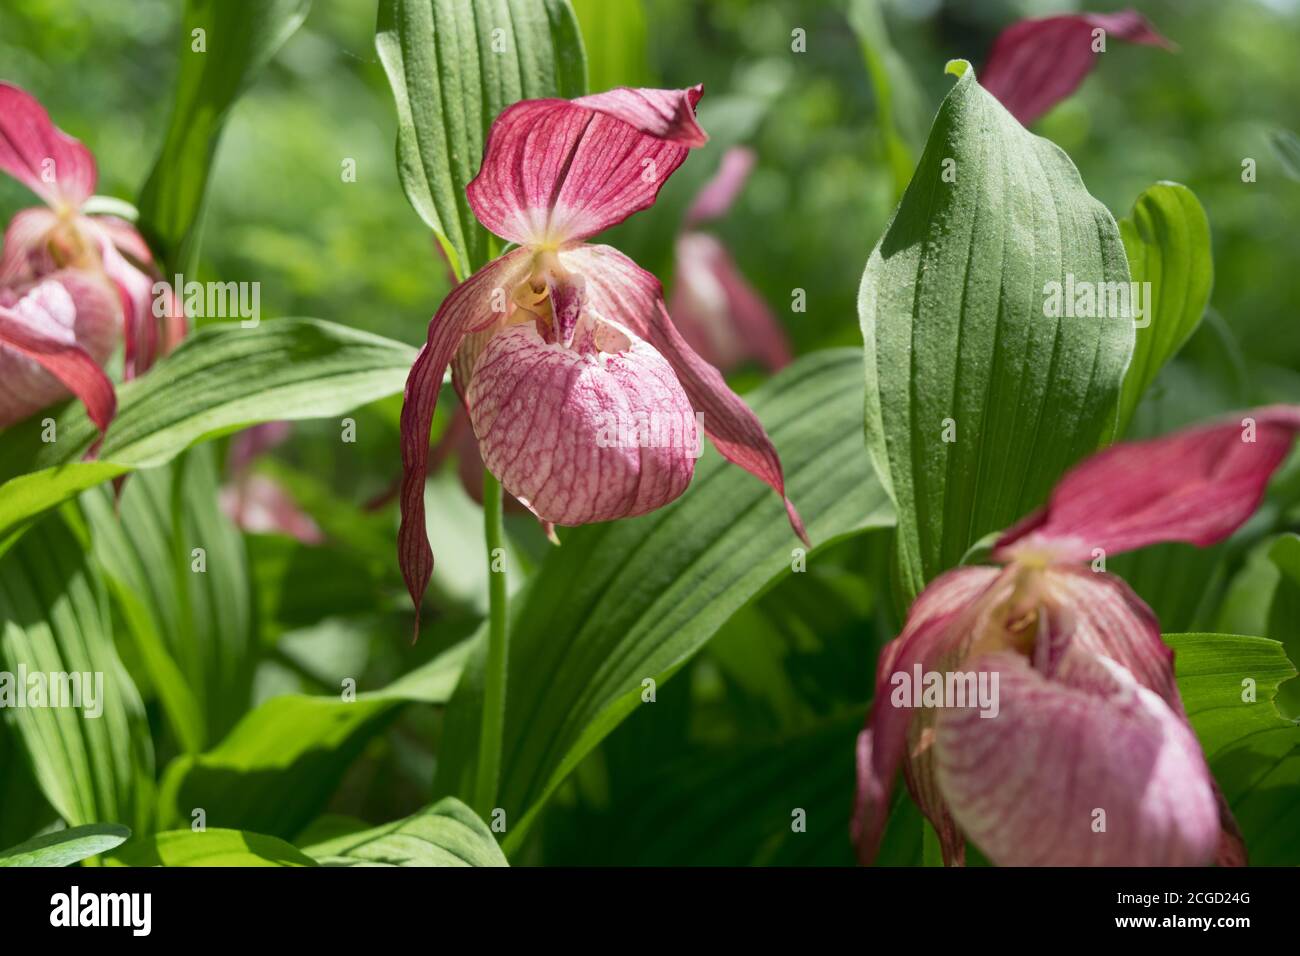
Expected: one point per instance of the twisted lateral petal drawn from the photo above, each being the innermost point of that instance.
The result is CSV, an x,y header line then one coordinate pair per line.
x,y
52,341
582,437
1089,768
1035,64
721,191
467,308
940,621
1197,485
41,156
560,170
718,312
620,291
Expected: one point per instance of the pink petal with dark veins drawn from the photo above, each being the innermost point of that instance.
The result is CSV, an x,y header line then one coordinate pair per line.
x,y
1035,64
1197,485
561,170
620,291
1086,767
41,156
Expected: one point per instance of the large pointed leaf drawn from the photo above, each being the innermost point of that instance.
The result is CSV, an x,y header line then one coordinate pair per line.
x,y
211,847
223,46
621,603
445,834
278,768
65,847
978,399
453,67
1284,614
1167,238
192,628
219,380
93,762
1228,685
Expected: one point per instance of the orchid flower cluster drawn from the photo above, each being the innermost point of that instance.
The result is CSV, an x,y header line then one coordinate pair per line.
x,y
73,282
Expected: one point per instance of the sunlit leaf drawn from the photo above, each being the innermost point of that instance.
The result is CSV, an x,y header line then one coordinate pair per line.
x,y
445,834
65,847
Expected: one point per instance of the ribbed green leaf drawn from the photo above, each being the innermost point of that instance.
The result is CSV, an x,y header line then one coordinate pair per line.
x,y
223,46
977,399
192,629
278,768
614,35
220,380
623,602
1284,614
445,834
1167,238
213,847
1228,684
93,762
453,66
65,847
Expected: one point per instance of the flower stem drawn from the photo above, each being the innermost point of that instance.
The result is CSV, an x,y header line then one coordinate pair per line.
x,y
494,680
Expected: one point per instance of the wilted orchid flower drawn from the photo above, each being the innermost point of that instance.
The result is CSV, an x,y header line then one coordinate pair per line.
x,y
1085,757
718,312
62,236
562,350
1035,64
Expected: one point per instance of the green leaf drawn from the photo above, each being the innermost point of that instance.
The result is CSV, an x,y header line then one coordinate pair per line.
x,y
65,847
623,602
1227,684
614,35
1287,146
1167,239
93,762
1284,614
278,768
221,379
192,630
445,834
238,38
453,67
977,398
211,847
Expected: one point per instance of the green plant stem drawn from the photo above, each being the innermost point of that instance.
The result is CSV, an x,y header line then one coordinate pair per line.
x,y
494,681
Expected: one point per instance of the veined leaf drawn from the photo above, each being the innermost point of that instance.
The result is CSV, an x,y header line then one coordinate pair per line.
x,y
445,834
220,380
65,847
1167,238
192,630
278,768
224,45
622,603
982,389
92,754
453,66
1284,614
614,35
211,847
1227,684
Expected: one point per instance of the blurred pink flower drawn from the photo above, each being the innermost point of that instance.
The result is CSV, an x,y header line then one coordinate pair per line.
x,y
717,311
1088,716
561,349
1035,64
258,503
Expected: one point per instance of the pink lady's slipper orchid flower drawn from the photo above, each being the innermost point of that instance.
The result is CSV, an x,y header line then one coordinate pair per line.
x,y
1085,755
61,236
1035,64
256,502
560,349
718,312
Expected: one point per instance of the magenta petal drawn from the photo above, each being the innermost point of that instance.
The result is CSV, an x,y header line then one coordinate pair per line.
x,y
467,307
41,156
937,624
1035,64
52,341
721,191
135,288
1197,485
620,291
718,312
561,170
1089,768
581,437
